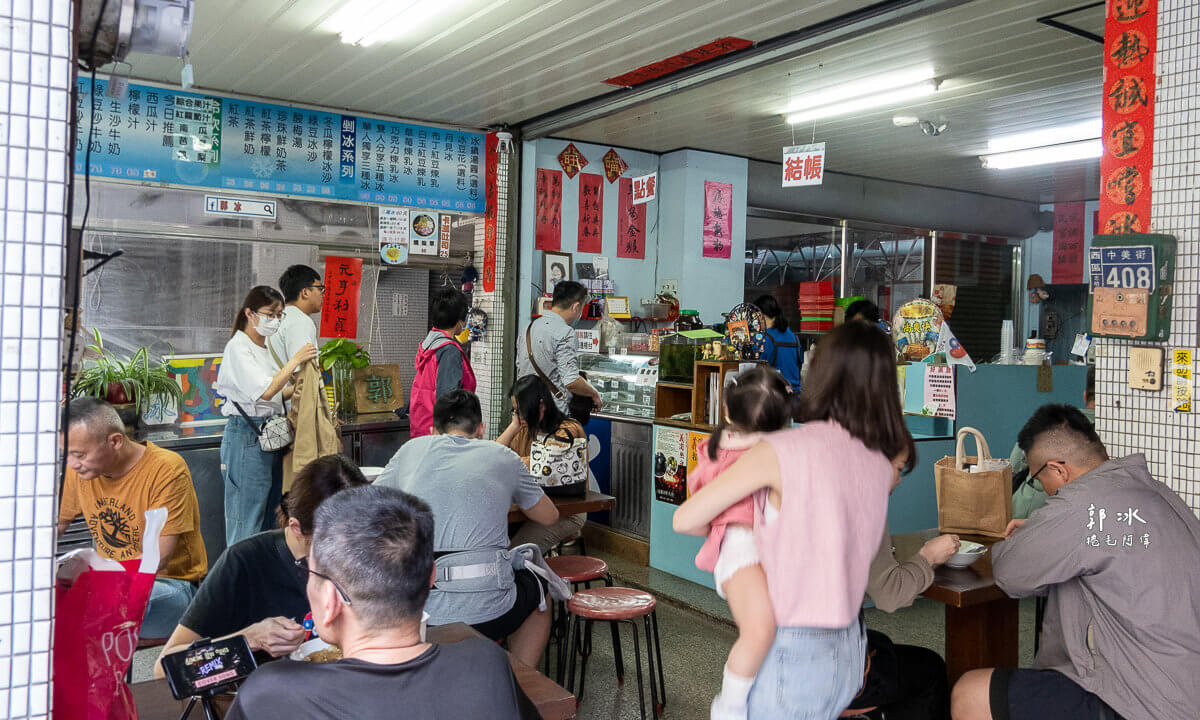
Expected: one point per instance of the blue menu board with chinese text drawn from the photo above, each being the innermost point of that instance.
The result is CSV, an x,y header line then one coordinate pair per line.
x,y
184,138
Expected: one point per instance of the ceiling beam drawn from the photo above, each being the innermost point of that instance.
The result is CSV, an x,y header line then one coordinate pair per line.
x,y
783,47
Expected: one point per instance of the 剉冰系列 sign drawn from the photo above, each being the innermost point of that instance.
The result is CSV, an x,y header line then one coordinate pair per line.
x,y
171,136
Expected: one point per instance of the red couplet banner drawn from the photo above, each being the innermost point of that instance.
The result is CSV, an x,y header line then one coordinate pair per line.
x,y
547,231
491,196
591,212
631,223
1130,43
339,314
1066,259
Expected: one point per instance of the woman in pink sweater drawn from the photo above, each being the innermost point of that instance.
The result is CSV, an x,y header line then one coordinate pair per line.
x,y
756,402
827,485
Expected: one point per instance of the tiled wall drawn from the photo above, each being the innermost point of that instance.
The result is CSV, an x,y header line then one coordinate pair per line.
x,y
35,77
487,357
1137,421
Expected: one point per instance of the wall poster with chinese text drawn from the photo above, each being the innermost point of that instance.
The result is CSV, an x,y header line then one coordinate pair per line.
x,y
670,464
547,231
339,313
1066,258
591,212
631,223
718,219
491,195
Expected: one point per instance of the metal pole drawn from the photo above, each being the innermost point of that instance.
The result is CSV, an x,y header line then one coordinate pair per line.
x,y
933,238
845,263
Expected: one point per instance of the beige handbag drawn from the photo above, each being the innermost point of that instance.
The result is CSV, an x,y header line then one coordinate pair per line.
x,y
973,503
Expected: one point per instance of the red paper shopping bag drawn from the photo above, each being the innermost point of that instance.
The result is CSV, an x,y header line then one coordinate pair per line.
x,y
99,605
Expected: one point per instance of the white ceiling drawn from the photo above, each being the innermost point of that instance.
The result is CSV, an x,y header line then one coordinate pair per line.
x,y
476,63
484,62
1005,74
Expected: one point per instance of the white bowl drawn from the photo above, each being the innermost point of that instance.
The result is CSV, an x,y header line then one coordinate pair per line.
x,y
968,553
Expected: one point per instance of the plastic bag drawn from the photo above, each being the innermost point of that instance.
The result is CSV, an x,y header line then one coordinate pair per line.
x,y
99,604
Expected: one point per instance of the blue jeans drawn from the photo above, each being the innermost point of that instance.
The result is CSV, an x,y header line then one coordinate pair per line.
x,y
253,481
168,600
809,673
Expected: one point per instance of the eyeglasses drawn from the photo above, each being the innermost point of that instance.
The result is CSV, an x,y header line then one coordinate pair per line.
x,y
273,316
320,288
302,563
1034,476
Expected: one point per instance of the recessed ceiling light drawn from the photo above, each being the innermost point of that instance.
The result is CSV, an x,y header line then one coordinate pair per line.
x,y
864,103
1064,152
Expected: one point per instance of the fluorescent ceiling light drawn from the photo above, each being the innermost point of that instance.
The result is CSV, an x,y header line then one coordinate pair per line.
x,y
365,22
860,88
1052,136
1081,150
864,103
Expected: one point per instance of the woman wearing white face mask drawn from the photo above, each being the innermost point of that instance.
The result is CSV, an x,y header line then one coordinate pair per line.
x,y
249,378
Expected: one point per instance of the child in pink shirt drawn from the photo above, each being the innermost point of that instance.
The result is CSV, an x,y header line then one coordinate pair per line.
x,y
757,401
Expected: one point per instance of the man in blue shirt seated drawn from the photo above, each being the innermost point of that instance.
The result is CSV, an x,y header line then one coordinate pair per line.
x,y
369,572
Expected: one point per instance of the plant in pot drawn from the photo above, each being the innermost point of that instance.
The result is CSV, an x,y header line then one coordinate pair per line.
x,y
133,381
341,357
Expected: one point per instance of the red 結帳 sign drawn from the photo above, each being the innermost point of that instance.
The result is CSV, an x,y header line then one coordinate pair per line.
x,y
804,165
1066,259
646,73
1130,42
339,313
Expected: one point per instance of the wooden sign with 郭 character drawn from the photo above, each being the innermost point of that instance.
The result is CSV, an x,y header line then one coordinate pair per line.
x,y
377,388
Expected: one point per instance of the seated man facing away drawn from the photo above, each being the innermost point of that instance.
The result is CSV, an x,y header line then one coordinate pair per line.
x,y
1118,553
112,481
369,571
471,483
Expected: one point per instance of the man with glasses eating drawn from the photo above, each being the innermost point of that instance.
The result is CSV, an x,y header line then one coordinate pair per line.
x,y
369,571
1118,555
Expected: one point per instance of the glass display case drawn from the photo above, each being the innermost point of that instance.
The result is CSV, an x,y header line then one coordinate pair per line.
x,y
625,382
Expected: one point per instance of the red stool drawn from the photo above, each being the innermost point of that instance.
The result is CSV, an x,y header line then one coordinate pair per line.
x,y
577,570
616,605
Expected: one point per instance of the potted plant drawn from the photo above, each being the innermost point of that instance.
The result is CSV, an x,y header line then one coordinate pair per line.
x,y
341,357
132,381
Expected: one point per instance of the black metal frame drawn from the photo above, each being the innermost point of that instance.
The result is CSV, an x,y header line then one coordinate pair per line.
x,y
658,690
1052,21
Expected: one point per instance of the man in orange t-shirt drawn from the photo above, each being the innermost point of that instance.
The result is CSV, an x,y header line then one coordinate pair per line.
x,y
112,481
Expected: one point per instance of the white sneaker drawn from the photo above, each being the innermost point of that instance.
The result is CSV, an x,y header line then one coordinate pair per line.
x,y
723,709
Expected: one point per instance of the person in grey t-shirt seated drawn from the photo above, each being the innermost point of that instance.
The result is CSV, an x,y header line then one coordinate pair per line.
x,y
555,350
367,577
471,483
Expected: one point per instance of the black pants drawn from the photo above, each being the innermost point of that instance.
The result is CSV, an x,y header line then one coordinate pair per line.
x,y
923,691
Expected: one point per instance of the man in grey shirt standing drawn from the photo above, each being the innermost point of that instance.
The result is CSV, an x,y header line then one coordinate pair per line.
x,y
555,349
470,483
1118,555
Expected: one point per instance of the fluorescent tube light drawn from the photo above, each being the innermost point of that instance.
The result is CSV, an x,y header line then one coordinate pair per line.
x,y
1081,150
861,88
361,22
1051,136
864,103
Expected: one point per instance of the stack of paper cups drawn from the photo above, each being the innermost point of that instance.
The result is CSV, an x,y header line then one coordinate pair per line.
x,y
1006,341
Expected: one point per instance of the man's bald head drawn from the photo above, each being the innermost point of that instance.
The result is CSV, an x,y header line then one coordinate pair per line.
x,y
1061,437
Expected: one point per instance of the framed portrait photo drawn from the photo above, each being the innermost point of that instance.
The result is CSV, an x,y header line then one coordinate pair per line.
x,y
556,267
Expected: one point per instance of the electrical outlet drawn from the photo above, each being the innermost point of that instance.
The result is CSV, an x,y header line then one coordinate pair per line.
x,y
670,287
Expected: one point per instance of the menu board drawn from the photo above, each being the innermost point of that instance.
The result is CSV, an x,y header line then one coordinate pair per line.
x,y
183,138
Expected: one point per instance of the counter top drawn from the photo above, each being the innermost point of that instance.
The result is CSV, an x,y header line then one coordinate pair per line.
x,y
176,438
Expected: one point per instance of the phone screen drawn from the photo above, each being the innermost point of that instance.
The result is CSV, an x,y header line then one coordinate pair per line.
x,y
204,668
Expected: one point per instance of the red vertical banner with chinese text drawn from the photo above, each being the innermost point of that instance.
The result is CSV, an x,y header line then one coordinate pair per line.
x,y
547,231
1130,42
631,223
718,219
1066,258
591,212
491,189
339,313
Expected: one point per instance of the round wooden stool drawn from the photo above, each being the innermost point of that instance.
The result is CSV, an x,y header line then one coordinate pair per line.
x,y
617,605
577,570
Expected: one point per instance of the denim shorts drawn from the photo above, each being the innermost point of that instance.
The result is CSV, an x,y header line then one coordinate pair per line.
x,y
809,673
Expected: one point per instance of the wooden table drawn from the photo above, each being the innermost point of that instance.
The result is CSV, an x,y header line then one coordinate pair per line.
x,y
592,502
154,701
982,623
